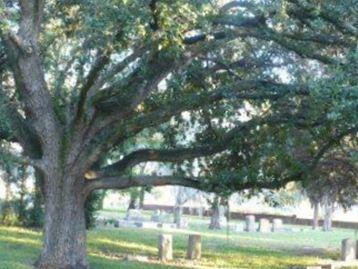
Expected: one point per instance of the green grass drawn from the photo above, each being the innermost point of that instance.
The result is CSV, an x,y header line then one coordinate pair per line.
x,y
108,247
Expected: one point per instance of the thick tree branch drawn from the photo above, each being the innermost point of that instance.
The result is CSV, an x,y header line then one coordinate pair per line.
x,y
100,63
116,181
332,141
19,129
30,79
200,183
116,69
181,154
21,160
243,90
314,12
236,4
137,181
32,14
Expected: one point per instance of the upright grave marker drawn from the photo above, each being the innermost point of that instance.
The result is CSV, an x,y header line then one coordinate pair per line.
x,y
194,247
250,223
349,249
165,247
265,226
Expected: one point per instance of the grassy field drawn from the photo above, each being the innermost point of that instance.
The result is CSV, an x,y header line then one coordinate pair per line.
x,y
108,248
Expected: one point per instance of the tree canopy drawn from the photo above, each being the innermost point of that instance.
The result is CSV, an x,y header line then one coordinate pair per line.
x,y
248,94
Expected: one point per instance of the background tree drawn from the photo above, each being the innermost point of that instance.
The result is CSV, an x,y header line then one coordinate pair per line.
x,y
334,183
219,210
182,195
82,79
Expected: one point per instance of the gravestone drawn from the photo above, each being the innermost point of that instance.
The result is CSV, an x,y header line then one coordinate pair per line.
x,y
250,223
166,225
183,223
200,212
223,221
126,224
235,227
194,247
222,217
158,216
277,225
134,215
222,210
101,222
149,225
348,250
265,226
165,247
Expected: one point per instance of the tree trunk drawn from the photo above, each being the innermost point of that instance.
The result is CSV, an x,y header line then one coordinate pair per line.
x,y
328,208
65,229
178,212
315,221
22,204
215,217
37,211
132,203
141,198
6,206
133,197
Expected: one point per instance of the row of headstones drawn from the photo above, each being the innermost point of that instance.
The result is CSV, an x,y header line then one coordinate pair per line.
x,y
165,247
264,225
159,219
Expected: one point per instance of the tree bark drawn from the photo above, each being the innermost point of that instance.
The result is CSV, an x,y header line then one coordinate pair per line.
x,y
65,227
37,211
141,197
132,201
215,220
215,216
328,208
6,207
178,212
315,221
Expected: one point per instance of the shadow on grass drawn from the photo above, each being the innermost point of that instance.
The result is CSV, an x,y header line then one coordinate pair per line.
x,y
107,249
216,253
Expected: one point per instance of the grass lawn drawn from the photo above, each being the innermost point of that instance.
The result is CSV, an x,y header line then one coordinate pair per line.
x,y
109,246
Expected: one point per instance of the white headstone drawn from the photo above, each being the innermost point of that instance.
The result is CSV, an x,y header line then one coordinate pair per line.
x,y
134,215
250,223
184,223
200,212
167,225
194,247
149,225
156,217
222,210
165,247
264,226
349,249
277,225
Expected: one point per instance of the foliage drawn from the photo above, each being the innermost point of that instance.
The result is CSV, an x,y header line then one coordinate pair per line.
x,y
93,203
248,94
266,72
21,208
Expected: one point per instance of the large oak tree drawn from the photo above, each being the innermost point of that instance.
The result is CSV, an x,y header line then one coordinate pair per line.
x,y
82,79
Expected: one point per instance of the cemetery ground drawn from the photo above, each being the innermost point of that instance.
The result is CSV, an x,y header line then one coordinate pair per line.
x,y
109,247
